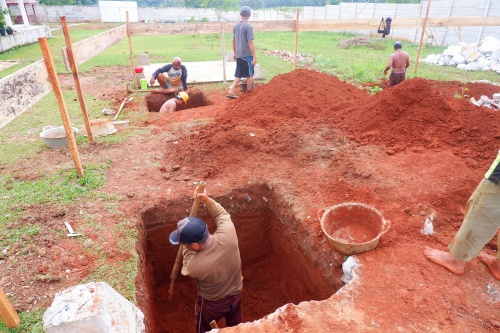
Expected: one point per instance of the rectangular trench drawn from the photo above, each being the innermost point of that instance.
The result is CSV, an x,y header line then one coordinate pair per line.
x,y
276,267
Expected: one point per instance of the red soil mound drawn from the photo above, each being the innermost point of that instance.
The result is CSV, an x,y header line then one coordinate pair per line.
x,y
413,115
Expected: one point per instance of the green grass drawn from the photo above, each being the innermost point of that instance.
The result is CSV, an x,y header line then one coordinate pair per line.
x,y
30,323
59,188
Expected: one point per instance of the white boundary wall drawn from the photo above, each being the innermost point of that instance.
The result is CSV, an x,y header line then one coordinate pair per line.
x,y
116,11
442,36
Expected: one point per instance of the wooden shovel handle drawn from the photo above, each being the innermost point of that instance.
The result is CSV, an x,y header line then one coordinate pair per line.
x,y
178,259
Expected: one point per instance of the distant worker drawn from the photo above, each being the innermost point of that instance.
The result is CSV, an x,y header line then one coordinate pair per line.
x,y
214,261
171,105
482,221
174,80
244,52
399,61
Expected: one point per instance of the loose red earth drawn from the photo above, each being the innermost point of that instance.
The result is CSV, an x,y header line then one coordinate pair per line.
x,y
408,151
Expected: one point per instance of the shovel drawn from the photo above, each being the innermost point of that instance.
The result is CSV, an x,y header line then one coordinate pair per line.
x,y
121,107
178,259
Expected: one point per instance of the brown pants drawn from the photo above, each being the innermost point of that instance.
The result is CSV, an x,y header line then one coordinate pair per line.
x,y
396,78
205,311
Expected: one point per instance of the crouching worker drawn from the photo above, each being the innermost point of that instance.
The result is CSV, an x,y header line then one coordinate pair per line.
x,y
214,261
174,79
171,105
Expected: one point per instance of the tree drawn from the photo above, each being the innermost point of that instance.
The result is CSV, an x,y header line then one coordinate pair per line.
x,y
219,6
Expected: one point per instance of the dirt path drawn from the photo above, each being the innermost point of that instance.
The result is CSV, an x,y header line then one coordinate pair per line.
x,y
275,158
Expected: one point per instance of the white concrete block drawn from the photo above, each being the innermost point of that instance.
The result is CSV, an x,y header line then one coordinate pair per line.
x,y
230,56
92,308
143,60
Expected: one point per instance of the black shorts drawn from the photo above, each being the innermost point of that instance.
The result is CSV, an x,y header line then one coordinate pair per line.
x,y
244,67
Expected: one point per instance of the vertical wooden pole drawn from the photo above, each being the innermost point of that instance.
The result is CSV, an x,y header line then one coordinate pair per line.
x,y
71,59
129,35
422,35
482,28
296,38
49,63
7,312
223,53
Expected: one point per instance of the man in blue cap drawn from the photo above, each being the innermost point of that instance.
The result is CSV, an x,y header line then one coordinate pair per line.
x,y
214,261
399,61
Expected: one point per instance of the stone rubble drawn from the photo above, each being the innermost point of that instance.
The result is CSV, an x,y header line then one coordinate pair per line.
x,y
483,56
288,56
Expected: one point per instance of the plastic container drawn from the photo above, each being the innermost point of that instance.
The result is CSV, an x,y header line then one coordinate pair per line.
x,y
353,227
144,84
55,137
139,69
121,124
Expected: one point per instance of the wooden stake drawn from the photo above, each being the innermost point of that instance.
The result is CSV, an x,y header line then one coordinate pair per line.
x,y
72,62
49,63
7,312
129,35
422,35
223,53
296,39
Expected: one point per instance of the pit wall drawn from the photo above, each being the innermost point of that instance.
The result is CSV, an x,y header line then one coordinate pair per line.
x,y
22,89
256,200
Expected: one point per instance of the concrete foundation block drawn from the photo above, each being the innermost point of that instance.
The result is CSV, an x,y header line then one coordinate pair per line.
x,y
230,56
92,308
143,60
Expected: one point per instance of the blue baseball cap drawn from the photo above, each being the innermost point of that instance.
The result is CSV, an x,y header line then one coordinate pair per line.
x,y
245,11
189,230
398,45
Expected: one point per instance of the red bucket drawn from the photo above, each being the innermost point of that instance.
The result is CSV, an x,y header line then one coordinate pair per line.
x,y
139,69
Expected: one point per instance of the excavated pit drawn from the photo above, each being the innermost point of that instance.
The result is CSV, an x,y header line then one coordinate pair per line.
x,y
197,99
279,264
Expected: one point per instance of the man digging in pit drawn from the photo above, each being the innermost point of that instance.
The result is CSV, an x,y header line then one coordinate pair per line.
x,y
171,105
175,79
214,261
399,61
481,222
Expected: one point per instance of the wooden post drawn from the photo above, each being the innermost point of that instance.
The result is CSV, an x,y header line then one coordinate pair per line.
x,y
49,63
129,35
223,53
71,59
482,27
7,312
296,38
422,35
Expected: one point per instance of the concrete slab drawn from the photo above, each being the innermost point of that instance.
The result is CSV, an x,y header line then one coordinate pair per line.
x,y
205,71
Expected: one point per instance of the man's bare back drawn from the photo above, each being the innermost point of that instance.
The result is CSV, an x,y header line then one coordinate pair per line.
x,y
399,61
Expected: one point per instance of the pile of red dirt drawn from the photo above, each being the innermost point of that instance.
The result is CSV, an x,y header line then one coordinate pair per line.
x,y
415,114
411,151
